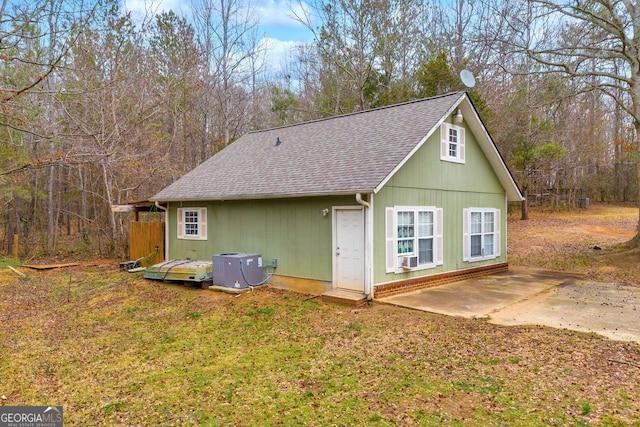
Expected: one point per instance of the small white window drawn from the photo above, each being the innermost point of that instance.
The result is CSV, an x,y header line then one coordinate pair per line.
x,y
452,143
481,234
414,238
192,223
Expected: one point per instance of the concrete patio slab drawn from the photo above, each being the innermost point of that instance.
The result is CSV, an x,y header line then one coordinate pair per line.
x,y
611,310
535,297
481,296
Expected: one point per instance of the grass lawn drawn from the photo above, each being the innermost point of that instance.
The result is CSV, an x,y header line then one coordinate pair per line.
x,y
116,349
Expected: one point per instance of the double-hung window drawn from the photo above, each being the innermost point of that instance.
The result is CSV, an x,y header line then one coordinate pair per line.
x,y
192,223
452,143
414,238
481,234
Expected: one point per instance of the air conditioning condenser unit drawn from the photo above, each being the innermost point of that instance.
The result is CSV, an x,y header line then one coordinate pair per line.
x,y
237,270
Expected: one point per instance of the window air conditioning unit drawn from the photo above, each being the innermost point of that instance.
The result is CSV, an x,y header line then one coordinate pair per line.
x,y
409,262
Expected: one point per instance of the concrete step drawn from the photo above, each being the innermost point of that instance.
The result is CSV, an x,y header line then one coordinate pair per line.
x,y
343,297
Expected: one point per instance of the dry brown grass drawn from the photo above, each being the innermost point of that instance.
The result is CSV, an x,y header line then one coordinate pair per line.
x,y
590,241
116,349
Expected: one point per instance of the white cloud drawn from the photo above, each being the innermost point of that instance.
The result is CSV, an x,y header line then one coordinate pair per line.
x,y
277,18
282,32
279,52
281,13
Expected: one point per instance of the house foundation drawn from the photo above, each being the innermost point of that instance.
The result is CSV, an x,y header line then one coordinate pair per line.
x,y
414,284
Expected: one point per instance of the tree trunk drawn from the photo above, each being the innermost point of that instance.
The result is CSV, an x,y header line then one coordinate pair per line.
x,y
9,231
635,242
109,199
525,209
524,205
51,228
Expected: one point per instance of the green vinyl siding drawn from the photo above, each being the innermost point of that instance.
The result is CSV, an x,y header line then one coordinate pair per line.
x,y
425,180
294,231
425,170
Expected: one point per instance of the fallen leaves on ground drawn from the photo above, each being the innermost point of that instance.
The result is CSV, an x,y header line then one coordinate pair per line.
x,y
116,349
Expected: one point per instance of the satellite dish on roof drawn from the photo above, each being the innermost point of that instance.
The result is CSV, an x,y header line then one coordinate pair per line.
x,y
467,78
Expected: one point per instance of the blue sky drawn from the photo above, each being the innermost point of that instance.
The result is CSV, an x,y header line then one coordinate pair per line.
x,y
280,32
277,21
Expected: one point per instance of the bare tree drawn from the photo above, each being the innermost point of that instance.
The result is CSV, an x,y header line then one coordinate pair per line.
x,y
35,39
596,42
228,34
367,51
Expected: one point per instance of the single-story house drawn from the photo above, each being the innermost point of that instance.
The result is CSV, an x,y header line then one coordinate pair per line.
x,y
374,203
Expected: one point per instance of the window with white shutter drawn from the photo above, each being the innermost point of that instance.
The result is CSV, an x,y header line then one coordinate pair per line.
x,y
192,223
452,143
413,238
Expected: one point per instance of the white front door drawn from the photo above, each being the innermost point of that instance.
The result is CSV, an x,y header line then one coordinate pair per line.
x,y
349,257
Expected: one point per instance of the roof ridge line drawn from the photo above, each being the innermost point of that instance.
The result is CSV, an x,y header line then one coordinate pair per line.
x,y
413,101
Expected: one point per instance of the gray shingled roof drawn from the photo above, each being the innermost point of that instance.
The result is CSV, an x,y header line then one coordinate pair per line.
x,y
339,155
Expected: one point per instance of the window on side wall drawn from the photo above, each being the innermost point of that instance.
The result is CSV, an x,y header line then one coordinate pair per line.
x,y
192,223
452,143
481,229
414,238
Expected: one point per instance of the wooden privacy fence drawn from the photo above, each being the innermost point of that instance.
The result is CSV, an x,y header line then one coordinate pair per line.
x,y
146,240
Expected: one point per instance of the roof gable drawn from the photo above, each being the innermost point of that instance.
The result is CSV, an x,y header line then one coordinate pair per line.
x,y
354,153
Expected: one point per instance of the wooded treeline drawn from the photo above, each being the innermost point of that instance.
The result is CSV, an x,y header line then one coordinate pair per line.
x,y
101,107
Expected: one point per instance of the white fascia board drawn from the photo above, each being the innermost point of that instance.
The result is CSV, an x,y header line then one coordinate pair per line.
x,y
491,152
486,144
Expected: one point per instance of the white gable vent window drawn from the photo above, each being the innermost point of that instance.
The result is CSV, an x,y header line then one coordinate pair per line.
x,y
452,143
192,223
481,230
413,238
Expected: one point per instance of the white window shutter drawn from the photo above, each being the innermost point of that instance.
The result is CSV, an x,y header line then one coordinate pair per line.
x,y
180,223
439,239
444,141
390,234
466,239
461,145
202,213
497,237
